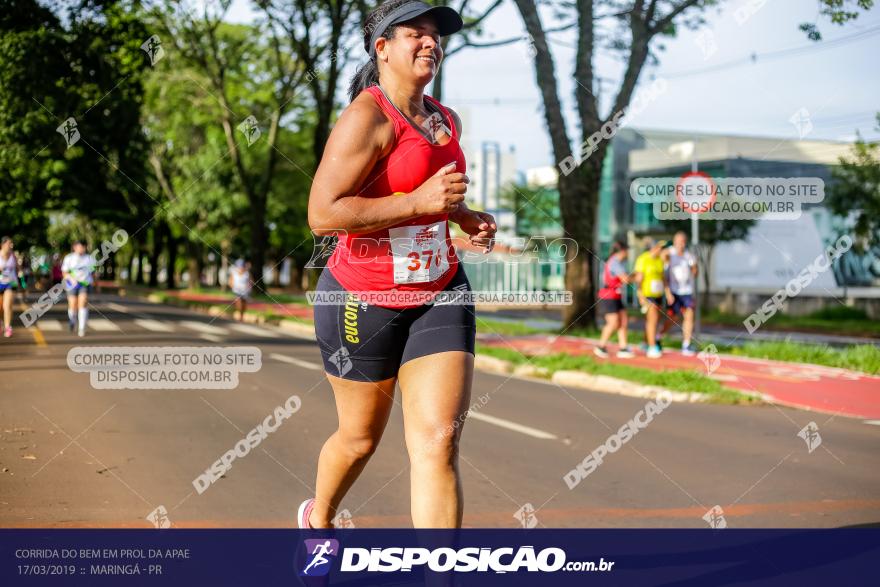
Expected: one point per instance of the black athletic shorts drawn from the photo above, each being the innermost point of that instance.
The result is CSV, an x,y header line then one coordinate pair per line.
x,y
657,301
610,306
361,342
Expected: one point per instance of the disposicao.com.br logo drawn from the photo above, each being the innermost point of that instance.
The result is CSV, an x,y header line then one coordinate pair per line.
x,y
321,553
444,559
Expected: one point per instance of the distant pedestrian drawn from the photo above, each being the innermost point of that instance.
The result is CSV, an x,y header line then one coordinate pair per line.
x,y
78,269
611,307
649,274
8,281
241,284
681,273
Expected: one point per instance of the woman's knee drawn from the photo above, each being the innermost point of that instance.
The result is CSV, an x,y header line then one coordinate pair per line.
x,y
358,446
439,448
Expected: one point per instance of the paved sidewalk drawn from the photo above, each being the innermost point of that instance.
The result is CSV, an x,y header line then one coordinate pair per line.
x,y
811,387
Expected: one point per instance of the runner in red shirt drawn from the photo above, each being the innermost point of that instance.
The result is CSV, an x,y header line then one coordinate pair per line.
x,y
614,277
391,179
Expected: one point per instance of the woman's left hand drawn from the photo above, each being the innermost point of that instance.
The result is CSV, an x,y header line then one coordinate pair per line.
x,y
480,226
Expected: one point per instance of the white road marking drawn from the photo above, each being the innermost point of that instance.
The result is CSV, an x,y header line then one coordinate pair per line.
x,y
116,307
297,362
51,325
255,330
527,430
154,325
873,422
202,327
211,338
102,325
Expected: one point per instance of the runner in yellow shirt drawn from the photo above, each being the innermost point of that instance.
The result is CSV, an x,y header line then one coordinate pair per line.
x,y
652,284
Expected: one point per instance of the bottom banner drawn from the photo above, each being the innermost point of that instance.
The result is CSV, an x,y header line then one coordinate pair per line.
x,y
439,557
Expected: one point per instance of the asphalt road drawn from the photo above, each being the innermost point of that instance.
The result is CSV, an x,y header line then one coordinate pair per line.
x,y
74,456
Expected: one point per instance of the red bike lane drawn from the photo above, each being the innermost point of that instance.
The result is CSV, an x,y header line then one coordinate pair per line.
x,y
812,387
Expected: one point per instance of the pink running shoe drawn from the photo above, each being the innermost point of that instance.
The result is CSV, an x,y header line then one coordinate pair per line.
x,y
305,510
8,332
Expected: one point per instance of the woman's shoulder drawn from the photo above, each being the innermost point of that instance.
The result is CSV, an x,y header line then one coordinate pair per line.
x,y
367,109
365,117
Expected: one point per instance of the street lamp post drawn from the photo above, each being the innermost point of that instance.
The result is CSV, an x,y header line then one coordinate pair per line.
x,y
695,242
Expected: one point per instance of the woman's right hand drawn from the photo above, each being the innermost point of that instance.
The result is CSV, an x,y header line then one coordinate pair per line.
x,y
442,192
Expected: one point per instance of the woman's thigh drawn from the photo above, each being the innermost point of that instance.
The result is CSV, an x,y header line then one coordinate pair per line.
x,y
436,392
362,407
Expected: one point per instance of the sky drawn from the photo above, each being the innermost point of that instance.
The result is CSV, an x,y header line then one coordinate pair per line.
x,y
837,84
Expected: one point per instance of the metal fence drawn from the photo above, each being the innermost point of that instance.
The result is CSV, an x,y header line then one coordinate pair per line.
x,y
516,275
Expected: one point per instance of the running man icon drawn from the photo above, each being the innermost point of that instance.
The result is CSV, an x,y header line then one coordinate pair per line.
x,y
319,551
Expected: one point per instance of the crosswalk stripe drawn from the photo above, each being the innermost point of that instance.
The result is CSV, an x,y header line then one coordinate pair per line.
x,y
154,325
50,325
116,307
102,325
297,362
202,327
255,330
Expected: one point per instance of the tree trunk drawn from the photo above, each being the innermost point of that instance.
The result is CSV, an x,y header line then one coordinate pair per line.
x,y
258,242
131,257
322,128
158,236
223,274
140,259
296,275
171,279
194,264
578,194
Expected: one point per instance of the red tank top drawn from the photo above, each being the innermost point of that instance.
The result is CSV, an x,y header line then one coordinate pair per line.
x,y
416,255
611,291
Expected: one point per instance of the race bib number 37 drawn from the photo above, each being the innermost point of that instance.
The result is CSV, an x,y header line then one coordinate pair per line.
x,y
420,252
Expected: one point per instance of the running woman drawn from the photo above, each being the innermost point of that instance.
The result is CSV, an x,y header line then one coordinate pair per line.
x,y
241,285
8,281
391,179
78,271
651,279
611,305
681,272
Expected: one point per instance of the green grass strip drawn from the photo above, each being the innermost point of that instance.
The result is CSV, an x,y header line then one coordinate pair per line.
x,y
862,357
675,380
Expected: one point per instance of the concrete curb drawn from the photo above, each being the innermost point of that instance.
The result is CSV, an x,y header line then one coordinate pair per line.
x,y
581,380
297,329
607,384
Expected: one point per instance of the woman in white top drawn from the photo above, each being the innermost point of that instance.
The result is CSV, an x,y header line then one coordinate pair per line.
x,y
241,285
8,281
78,271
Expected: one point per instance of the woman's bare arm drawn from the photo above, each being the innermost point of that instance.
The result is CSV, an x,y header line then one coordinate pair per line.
x,y
361,137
